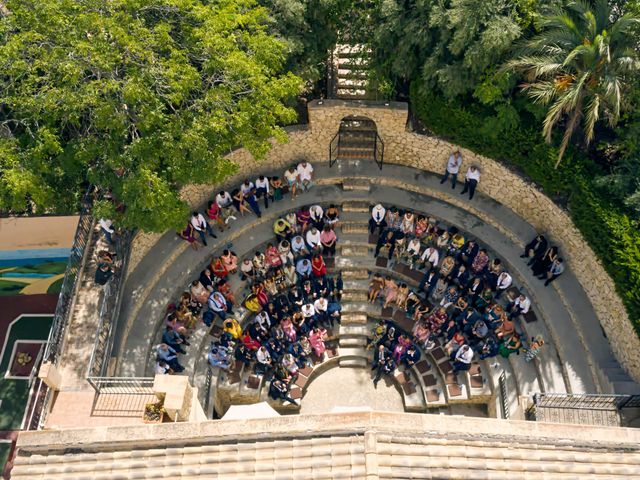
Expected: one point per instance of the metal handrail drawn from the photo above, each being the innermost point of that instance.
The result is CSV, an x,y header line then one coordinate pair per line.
x,y
109,310
378,153
334,149
207,386
70,282
603,402
122,385
504,397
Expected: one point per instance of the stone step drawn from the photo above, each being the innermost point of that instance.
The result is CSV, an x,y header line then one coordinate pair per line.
x,y
352,83
354,227
352,63
356,216
361,307
354,297
353,342
356,286
347,73
354,250
355,273
362,184
353,331
359,206
353,363
354,352
349,318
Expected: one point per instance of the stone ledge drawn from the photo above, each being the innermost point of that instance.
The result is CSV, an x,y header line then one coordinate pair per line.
x,y
219,431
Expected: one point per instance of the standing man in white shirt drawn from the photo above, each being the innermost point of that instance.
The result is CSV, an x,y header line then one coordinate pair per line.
x,y
305,173
471,181
453,167
202,226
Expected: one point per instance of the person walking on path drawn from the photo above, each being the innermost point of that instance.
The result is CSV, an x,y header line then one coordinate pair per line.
x,y
453,167
471,181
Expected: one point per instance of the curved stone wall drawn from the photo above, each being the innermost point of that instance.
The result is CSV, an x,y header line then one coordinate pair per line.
x,y
428,153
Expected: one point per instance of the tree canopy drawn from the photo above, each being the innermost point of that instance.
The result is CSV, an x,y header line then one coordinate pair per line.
x,y
580,66
136,96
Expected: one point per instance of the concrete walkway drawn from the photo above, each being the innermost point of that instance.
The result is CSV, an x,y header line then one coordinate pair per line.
x,y
570,322
350,388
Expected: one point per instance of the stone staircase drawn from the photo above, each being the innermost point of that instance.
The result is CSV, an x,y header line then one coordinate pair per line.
x,y
349,78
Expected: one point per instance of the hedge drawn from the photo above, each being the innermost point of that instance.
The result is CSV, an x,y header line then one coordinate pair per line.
x,y
609,231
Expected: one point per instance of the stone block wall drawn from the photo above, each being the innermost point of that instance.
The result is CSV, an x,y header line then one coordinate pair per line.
x,y
428,153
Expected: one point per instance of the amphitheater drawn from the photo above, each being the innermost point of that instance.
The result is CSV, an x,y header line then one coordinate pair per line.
x,y
570,413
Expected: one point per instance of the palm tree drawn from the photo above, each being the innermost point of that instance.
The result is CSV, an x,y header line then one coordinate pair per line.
x,y
579,65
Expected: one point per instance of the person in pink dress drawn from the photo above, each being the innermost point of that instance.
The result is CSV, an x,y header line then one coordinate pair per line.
x,y
289,329
401,347
272,257
390,291
230,260
316,339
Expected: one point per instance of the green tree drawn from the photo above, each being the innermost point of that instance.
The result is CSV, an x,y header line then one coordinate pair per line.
x,y
137,97
579,65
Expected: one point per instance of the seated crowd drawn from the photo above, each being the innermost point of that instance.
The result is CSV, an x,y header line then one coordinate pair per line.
x,y
293,303
245,199
459,302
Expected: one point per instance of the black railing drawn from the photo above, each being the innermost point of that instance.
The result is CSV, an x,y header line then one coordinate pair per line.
x,y
586,401
109,309
334,149
122,385
70,282
378,151
504,396
36,412
207,389
591,409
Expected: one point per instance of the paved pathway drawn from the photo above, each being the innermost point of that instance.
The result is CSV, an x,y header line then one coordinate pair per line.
x,y
170,266
350,388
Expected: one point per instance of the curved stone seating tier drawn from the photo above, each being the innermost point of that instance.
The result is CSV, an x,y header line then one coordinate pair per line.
x,y
574,347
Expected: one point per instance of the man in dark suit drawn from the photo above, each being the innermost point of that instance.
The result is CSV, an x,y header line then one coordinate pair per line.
x,y
429,280
468,253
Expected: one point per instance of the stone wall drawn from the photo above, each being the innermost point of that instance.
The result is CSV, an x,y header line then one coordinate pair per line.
x,y
430,154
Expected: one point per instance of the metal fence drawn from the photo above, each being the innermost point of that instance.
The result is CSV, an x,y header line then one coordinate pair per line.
x,y
590,409
39,395
70,282
122,385
109,310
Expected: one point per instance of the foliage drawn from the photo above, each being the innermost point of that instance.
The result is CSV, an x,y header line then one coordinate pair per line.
x,y
136,96
613,235
579,66
449,46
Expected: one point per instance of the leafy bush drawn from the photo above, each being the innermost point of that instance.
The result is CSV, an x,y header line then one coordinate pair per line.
x,y
610,232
